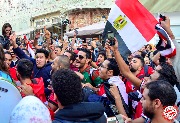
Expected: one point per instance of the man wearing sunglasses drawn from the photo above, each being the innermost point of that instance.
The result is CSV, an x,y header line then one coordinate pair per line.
x,y
82,62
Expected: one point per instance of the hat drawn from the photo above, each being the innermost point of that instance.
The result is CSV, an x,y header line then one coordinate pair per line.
x,y
30,110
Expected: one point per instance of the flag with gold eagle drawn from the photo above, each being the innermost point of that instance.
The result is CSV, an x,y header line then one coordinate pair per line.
x,y
133,25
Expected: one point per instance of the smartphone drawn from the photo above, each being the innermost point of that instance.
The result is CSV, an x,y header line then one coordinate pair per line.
x,y
116,119
163,17
111,38
111,120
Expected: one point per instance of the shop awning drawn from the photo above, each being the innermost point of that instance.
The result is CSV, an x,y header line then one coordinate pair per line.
x,y
93,29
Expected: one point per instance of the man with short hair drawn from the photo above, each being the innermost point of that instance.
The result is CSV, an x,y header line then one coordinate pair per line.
x,y
163,71
61,61
82,62
157,97
68,91
58,50
72,57
29,86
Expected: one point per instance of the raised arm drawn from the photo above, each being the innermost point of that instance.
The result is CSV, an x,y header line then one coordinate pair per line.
x,y
123,67
35,43
176,59
18,50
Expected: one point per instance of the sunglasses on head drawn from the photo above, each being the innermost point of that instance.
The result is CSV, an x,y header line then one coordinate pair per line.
x,y
80,57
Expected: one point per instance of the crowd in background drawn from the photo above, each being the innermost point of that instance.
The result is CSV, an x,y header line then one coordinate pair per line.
x,y
82,81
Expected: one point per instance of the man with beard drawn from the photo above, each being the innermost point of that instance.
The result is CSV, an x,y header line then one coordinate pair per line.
x,y
82,62
137,67
140,70
163,71
158,96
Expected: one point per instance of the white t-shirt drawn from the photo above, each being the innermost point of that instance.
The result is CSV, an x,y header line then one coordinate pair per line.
x,y
122,88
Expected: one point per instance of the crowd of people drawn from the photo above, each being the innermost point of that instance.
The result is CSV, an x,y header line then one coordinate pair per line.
x,y
68,82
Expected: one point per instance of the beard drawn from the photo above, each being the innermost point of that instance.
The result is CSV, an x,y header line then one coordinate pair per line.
x,y
149,112
132,69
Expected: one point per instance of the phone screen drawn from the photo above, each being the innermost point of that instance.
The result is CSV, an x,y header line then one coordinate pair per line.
x,y
110,34
111,120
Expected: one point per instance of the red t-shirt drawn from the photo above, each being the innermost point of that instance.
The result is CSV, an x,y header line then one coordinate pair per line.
x,y
12,72
38,89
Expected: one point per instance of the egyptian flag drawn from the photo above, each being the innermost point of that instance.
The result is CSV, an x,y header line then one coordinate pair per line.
x,y
132,24
165,45
29,48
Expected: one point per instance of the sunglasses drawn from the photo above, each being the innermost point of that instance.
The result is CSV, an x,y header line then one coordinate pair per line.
x,y
80,57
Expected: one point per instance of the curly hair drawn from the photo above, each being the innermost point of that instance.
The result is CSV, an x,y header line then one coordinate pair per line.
x,y
103,54
45,52
3,66
67,87
167,73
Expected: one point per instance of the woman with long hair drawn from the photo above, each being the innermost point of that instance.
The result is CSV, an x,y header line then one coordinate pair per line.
x,y
4,38
4,74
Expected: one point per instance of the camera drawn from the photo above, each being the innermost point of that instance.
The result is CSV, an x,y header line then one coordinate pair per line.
x,y
111,38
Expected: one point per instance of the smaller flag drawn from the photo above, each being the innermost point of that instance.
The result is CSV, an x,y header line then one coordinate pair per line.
x,y
132,24
165,45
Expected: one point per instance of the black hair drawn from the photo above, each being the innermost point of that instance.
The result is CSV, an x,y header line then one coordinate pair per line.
x,y
3,66
163,91
143,54
25,68
45,52
73,55
60,47
92,48
113,66
103,54
167,73
140,58
7,52
88,52
67,86
4,28
150,47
